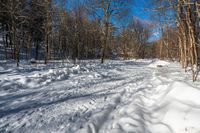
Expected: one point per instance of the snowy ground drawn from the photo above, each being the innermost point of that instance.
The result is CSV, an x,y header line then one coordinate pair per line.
x,y
132,96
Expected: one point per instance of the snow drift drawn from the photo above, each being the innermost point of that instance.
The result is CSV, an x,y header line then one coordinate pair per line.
x,y
115,97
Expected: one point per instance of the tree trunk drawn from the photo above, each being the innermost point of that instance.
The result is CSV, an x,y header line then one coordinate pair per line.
x,y
105,41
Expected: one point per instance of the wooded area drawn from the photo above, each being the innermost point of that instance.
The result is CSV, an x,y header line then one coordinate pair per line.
x,y
92,29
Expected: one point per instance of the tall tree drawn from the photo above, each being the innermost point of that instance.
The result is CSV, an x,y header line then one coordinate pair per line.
x,y
47,28
107,11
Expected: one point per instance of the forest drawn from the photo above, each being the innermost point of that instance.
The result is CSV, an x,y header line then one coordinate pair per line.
x,y
92,29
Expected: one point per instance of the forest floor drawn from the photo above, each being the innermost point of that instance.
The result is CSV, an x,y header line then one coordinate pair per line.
x,y
133,96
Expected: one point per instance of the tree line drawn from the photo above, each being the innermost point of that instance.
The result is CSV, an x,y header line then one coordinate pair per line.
x,y
99,29
47,29
179,24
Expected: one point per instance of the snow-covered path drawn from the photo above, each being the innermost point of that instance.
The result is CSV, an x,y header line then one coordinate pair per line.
x,y
116,97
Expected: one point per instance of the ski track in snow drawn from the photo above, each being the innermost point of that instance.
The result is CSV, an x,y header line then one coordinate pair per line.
x,y
132,96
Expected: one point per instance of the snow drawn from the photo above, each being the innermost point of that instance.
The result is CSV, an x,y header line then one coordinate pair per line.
x,y
139,96
158,63
184,108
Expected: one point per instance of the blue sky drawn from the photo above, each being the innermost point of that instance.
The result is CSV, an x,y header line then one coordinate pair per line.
x,y
139,10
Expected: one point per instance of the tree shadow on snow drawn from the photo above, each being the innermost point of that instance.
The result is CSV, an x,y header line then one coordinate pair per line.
x,y
31,104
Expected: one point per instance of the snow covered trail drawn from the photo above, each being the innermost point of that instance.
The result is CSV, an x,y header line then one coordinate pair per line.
x,y
118,96
164,101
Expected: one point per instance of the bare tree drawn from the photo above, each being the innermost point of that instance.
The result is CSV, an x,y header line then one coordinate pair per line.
x,y
106,10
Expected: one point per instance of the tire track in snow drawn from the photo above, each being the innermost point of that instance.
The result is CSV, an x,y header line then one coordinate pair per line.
x,y
130,86
135,111
53,106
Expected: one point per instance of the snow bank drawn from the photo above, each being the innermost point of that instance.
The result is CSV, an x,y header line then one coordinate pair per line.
x,y
183,109
36,78
158,63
